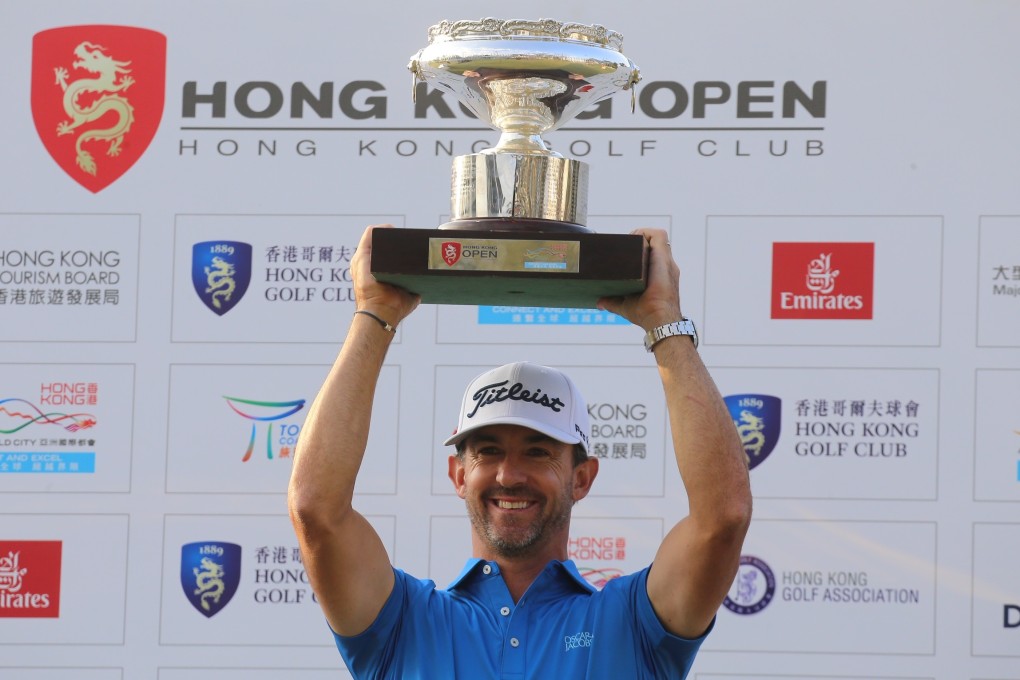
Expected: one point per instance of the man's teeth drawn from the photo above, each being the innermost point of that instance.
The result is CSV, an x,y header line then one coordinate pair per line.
x,y
513,505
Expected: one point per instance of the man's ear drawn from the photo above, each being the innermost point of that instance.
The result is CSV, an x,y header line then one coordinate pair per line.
x,y
584,475
456,474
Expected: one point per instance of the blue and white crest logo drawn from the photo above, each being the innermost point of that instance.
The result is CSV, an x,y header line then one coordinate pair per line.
x,y
221,272
753,588
210,573
758,418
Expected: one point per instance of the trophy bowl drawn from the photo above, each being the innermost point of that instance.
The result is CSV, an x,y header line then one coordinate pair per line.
x,y
523,78
517,233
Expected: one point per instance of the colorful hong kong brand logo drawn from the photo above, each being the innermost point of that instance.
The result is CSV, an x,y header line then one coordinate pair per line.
x,y
97,97
822,280
753,588
47,437
269,412
600,550
210,574
450,252
220,273
758,418
30,579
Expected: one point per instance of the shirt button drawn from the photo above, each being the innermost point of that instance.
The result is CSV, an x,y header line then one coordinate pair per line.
x,y
505,611
487,569
514,642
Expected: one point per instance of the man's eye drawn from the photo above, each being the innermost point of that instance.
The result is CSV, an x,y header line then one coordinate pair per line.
x,y
538,453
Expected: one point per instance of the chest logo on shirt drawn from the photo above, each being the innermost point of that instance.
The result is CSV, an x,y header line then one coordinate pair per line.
x,y
578,640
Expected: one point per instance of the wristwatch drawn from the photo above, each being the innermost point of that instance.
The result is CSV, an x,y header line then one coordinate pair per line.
x,y
682,327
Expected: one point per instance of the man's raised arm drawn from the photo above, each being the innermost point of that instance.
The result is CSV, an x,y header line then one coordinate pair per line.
x,y
697,561
346,562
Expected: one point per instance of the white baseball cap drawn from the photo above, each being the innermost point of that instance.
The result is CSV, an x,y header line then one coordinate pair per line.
x,y
538,397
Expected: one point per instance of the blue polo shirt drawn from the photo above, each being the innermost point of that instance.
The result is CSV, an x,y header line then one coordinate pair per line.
x,y
562,628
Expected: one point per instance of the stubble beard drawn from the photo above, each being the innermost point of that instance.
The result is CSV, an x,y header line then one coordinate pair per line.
x,y
518,538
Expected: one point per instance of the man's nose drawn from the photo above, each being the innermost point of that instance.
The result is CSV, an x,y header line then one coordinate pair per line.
x,y
510,472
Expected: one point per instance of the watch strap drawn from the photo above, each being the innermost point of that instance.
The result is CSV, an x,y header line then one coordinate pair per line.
x,y
682,327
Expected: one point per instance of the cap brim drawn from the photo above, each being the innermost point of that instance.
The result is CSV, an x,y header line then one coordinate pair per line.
x,y
552,432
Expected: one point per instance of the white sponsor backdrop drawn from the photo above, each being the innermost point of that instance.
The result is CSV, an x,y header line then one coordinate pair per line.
x,y
888,502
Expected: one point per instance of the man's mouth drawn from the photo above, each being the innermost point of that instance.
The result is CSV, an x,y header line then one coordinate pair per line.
x,y
512,505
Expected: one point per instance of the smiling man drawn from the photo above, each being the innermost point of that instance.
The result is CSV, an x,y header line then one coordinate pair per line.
x,y
519,609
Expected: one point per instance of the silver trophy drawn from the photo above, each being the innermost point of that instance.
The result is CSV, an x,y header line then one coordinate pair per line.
x,y
523,78
518,210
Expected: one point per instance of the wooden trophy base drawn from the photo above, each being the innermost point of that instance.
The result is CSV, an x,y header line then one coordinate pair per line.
x,y
525,267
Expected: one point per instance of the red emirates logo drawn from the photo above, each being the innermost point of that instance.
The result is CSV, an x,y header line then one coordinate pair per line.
x,y
451,252
30,579
822,280
97,97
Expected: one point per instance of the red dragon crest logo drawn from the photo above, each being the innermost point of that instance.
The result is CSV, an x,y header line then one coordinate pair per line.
x,y
450,252
97,97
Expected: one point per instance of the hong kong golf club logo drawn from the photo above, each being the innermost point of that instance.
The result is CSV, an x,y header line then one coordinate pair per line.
x,y
220,273
210,574
97,97
757,418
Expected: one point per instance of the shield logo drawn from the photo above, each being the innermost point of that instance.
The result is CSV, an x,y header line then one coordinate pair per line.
x,y
758,418
221,272
450,252
97,97
210,574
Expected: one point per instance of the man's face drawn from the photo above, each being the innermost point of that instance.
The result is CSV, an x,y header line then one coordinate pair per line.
x,y
519,486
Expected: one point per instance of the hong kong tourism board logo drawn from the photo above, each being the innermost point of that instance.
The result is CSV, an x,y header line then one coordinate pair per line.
x,y
822,280
758,418
220,273
210,574
97,97
753,588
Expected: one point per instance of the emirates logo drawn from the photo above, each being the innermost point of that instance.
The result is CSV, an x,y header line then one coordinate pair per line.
x,y
822,280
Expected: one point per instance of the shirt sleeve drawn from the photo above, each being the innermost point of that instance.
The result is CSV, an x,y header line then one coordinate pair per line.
x,y
370,652
670,654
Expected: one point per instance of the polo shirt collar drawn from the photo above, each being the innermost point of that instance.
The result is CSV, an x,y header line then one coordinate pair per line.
x,y
565,570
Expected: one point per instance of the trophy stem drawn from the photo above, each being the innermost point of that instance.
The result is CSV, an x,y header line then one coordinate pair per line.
x,y
512,141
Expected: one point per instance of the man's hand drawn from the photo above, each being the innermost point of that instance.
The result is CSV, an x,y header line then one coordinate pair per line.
x,y
659,303
389,302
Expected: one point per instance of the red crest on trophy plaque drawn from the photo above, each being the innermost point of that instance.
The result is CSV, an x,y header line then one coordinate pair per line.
x,y
97,97
450,252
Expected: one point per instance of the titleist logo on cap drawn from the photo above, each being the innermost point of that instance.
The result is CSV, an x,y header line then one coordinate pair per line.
x,y
497,392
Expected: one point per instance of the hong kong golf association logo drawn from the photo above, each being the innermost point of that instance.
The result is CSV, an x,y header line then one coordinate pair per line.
x,y
758,418
97,97
210,574
753,588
